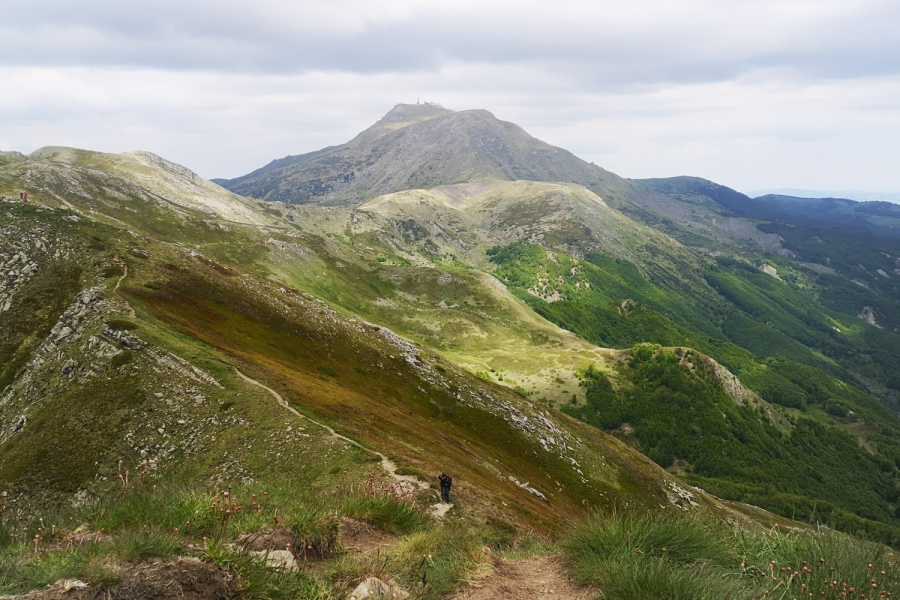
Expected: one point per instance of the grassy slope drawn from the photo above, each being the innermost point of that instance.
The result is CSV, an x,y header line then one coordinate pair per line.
x,y
465,315
335,372
748,320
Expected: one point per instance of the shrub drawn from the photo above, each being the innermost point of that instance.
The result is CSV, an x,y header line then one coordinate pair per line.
x,y
315,534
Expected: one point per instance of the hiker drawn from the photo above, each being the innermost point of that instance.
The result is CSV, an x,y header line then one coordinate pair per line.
x,y
446,484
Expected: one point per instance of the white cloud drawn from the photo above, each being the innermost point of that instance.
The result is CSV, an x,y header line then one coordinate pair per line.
x,y
755,94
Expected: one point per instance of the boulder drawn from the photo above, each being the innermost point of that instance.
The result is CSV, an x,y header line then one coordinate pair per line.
x,y
278,559
375,589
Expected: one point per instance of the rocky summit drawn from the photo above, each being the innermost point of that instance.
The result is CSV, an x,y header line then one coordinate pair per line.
x,y
248,388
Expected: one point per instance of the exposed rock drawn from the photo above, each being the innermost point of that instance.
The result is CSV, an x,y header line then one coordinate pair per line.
x,y
283,560
440,510
627,306
528,488
280,538
770,270
867,314
679,496
375,589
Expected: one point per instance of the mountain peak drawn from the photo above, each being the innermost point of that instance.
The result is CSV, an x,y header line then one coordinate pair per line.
x,y
420,146
414,112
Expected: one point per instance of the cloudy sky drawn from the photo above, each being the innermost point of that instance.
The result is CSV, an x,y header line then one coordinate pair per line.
x,y
756,94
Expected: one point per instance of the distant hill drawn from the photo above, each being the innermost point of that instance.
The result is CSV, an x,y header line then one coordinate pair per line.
x,y
878,218
852,247
858,195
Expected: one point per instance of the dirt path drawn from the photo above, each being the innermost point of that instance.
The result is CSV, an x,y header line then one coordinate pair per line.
x,y
533,578
122,278
389,466
440,510
116,289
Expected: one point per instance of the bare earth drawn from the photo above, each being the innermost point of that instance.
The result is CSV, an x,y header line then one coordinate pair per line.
x,y
533,578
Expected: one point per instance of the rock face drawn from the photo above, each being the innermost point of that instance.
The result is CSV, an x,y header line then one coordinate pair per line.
x,y
375,589
867,314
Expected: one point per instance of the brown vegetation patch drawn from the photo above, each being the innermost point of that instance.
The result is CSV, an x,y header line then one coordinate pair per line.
x,y
182,579
360,537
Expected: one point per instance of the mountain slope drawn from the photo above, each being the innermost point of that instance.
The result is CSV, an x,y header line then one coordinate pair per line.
x,y
290,338
561,215
129,323
749,283
423,146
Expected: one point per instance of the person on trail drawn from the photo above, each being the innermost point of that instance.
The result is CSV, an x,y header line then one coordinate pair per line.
x,y
446,484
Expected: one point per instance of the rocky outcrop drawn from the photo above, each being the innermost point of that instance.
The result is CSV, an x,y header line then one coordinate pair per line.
x,y
24,247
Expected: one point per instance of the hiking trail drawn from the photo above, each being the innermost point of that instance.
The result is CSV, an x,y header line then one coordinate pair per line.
x,y
538,578
389,466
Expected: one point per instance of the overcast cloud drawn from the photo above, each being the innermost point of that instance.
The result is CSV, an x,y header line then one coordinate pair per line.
x,y
754,94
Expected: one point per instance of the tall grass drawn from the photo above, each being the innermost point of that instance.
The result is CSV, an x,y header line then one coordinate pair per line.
x,y
386,513
638,558
687,557
825,564
432,563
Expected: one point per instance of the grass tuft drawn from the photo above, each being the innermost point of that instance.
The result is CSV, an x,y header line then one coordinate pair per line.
x,y
386,513
135,546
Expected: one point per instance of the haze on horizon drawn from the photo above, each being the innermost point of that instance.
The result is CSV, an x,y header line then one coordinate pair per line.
x,y
762,95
